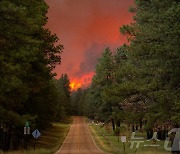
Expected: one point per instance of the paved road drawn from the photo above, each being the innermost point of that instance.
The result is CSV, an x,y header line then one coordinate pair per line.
x,y
79,140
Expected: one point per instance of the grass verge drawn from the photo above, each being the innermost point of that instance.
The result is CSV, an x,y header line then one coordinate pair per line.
x,y
50,140
109,143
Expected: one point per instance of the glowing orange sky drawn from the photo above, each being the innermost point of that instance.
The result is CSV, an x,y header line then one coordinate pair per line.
x,y
85,28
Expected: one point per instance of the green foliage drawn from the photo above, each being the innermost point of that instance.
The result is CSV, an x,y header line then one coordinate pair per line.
x,y
78,102
154,52
101,108
63,86
28,54
140,81
92,103
104,69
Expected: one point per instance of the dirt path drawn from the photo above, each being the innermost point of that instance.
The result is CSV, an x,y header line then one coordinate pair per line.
x,y
79,140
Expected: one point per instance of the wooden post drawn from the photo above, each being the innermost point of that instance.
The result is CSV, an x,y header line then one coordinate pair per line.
x,y
124,147
34,144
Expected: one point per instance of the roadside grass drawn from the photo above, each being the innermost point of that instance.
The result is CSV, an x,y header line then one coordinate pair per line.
x,y
100,141
53,137
49,141
109,143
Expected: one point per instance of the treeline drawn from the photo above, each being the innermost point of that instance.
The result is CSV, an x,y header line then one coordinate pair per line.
x,y
28,54
78,106
138,84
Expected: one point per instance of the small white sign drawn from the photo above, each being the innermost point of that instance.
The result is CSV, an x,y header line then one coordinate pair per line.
x,y
123,138
26,130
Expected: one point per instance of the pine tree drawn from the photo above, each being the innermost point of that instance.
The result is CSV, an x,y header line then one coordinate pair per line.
x,y
28,53
154,52
64,86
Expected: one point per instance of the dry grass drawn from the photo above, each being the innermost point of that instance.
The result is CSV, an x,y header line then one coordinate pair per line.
x,y
50,140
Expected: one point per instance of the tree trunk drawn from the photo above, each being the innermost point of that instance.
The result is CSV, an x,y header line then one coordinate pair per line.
x,y
140,124
137,127
113,124
118,123
9,135
149,133
133,128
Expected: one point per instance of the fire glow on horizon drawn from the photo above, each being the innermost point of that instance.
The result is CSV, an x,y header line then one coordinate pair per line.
x,y
75,85
82,82
85,28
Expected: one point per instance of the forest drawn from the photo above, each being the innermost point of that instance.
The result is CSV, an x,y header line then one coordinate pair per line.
x,y
29,92
137,84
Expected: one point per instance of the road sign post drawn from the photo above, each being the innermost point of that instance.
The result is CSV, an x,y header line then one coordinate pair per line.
x,y
26,130
123,140
27,124
36,135
26,134
34,144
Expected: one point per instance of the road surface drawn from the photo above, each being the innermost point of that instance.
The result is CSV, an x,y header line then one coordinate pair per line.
x,y
79,140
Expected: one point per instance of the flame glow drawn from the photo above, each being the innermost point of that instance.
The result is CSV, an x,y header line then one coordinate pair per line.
x,y
75,85
82,82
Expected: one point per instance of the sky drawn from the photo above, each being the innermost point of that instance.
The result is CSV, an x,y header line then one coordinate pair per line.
x,y
86,28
